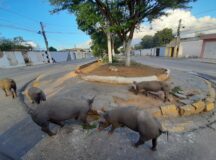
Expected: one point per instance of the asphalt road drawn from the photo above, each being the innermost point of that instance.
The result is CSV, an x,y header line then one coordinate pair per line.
x,y
15,124
188,65
199,142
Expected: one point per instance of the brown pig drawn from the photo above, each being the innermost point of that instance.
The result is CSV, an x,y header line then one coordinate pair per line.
x,y
148,127
8,85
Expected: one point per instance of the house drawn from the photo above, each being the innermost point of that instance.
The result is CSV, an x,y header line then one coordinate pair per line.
x,y
188,47
208,49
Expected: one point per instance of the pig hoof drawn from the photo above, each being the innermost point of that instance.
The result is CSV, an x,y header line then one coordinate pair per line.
x,y
135,145
52,134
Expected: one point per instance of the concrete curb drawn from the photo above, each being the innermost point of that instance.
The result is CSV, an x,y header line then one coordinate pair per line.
x,y
117,79
171,110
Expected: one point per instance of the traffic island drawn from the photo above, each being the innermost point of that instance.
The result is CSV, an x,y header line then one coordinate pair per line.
x,y
117,73
199,98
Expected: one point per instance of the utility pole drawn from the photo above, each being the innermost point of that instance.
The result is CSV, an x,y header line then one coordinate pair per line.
x,y
46,42
178,37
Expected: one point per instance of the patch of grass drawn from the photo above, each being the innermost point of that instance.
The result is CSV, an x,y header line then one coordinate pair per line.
x,y
176,89
105,59
84,126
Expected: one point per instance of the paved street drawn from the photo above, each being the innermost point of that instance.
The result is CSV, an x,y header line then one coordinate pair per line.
x,y
189,65
13,117
72,142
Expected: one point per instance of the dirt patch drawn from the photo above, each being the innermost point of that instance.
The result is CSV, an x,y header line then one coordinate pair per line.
x,y
143,101
135,70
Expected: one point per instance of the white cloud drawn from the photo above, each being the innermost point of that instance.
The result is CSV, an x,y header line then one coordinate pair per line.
x,y
30,43
190,22
85,44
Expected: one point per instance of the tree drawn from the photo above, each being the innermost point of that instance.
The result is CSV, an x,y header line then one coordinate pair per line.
x,y
52,49
15,44
93,23
147,42
163,37
99,43
18,40
160,38
124,16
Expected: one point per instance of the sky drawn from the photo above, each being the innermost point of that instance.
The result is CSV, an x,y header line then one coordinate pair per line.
x,y
23,17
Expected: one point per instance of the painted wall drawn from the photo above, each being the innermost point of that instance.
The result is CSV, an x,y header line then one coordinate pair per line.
x,y
143,52
36,57
60,56
4,63
190,48
210,49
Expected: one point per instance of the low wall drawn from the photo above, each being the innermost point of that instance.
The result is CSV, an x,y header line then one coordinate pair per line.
x,y
36,58
16,59
60,56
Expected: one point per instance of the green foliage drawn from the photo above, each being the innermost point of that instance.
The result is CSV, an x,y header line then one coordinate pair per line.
x,y
106,59
52,49
160,38
163,37
123,16
88,126
176,89
147,42
13,45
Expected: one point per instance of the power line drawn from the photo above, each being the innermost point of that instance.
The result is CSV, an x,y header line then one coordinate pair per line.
x,y
31,19
18,28
20,15
199,31
56,32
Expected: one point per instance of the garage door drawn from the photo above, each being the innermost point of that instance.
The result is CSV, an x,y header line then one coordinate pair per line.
x,y
210,50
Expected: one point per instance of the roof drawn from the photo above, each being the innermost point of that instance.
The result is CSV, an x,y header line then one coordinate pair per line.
x,y
208,36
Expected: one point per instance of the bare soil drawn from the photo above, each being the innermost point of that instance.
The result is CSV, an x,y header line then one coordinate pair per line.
x,y
135,70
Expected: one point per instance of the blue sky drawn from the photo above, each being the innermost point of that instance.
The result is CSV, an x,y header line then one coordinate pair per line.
x,y
28,13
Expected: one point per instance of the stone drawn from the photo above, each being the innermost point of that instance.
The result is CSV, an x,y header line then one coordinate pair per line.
x,y
187,110
186,101
199,106
210,99
182,96
169,110
212,92
113,68
197,97
209,106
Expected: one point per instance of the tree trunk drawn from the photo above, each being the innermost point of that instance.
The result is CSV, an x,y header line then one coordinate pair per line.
x,y
124,47
109,46
113,46
127,52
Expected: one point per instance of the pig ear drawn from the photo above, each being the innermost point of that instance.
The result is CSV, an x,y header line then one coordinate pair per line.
x,y
134,85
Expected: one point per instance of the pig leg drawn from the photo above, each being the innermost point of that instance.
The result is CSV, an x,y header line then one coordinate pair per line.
x,y
46,129
154,144
13,96
61,124
5,92
139,142
113,127
166,96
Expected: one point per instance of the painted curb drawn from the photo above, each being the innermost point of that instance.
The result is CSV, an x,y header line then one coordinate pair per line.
x,y
197,107
120,79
